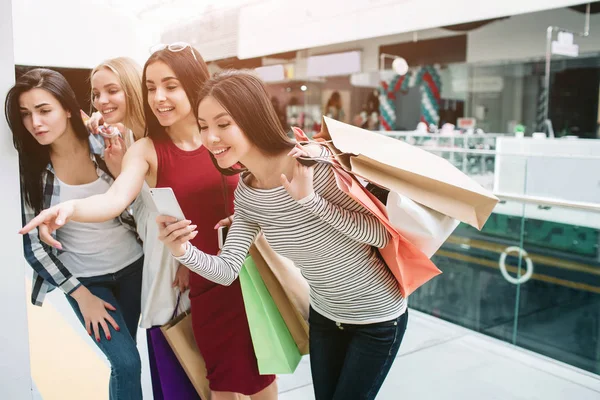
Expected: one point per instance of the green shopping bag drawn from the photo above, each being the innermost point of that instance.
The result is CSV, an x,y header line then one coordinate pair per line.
x,y
274,346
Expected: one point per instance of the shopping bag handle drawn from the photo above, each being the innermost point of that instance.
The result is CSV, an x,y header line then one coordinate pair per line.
x,y
176,306
302,139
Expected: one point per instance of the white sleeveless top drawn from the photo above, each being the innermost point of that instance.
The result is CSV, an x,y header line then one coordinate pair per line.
x,y
98,248
158,296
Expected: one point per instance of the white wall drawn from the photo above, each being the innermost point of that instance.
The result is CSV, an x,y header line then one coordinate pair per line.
x,y
524,36
214,33
517,38
269,27
77,34
15,375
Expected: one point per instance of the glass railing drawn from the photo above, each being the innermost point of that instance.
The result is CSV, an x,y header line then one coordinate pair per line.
x,y
531,276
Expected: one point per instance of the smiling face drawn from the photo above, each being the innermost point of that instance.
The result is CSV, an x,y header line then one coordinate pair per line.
x,y
43,115
221,135
166,96
108,96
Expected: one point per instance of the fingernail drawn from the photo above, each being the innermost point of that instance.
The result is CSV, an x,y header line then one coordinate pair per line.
x,y
59,222
108,337
216,226
58,246
192,227
118,329
98,340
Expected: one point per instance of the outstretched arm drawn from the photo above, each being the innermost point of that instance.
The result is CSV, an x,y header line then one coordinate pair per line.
x,y
101,207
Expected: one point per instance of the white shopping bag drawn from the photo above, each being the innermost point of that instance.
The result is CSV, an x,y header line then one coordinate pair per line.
x,y
424,227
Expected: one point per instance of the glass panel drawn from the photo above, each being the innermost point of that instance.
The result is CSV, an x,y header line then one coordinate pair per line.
x,y
559,308
473,291
531,277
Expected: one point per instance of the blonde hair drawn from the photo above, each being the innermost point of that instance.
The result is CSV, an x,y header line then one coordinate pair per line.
x,y
129,74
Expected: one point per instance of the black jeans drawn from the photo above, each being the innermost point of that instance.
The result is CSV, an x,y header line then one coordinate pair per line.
x,y
351,361
122,289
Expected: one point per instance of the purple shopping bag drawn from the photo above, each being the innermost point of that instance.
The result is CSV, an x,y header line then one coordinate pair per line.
x,y
169,380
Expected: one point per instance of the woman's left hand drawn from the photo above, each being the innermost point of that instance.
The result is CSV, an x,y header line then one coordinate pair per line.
x,y
113,154
301,185
224,222
182,278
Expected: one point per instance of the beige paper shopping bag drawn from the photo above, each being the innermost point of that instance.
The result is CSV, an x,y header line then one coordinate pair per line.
x,y
415,173
180,336
267,263
288,275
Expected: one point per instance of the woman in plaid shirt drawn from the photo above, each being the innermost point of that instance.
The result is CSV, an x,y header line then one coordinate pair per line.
x,y
98,265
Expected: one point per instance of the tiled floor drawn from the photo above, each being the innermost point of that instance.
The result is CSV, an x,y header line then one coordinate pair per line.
x,y
437,360
442,361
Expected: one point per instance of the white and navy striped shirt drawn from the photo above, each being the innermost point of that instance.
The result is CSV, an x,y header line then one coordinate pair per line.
x,y
329,236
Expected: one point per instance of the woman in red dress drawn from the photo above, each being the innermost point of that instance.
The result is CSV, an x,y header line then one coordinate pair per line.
x,y
173,156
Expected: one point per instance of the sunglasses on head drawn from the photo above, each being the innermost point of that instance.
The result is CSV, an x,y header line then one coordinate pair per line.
x,y
173,47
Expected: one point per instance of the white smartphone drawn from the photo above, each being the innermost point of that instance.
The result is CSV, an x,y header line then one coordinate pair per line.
x,y
222,233
166,203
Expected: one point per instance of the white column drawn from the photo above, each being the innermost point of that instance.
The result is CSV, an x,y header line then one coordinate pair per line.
x,y
15,374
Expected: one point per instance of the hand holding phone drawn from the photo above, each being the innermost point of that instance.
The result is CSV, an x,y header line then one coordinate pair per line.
x,y
166,203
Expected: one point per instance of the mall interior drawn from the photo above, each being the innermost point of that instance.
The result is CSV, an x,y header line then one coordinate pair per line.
x,y
508,92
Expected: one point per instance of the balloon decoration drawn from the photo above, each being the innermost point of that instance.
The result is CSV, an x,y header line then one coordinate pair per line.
x,y
429,81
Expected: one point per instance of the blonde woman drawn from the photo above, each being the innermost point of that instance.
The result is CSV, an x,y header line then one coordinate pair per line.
x,y
120,81
117,97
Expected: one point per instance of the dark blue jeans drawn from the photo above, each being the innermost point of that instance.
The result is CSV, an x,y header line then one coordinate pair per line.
x,y
351,361
123,290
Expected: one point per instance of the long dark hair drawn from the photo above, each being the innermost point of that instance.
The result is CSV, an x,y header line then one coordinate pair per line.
x,y
34,157
247,101
191,71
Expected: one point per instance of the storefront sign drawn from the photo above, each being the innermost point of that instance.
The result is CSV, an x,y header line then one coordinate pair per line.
x,y
481,84
368,79
271,73
333,64
275,73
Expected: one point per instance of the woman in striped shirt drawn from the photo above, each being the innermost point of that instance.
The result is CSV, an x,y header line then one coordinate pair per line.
x,y
357,316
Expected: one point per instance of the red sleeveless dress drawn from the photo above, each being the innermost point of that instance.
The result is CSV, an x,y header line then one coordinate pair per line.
x,y
218,315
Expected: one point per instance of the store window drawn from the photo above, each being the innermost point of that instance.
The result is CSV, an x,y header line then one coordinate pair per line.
x,y
302,103
502,98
